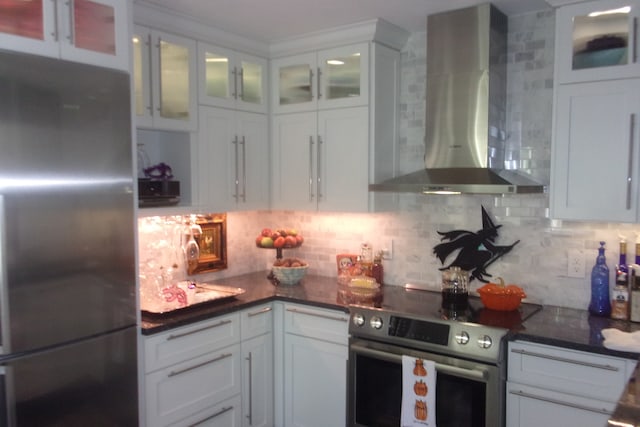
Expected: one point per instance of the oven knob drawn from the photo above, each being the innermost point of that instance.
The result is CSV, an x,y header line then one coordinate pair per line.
x,y
376,322
358,319
485,341
462,338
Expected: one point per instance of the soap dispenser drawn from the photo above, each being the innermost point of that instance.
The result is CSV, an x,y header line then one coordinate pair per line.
x,y
600,304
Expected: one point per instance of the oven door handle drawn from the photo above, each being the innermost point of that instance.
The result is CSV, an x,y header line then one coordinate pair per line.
x,y
472,374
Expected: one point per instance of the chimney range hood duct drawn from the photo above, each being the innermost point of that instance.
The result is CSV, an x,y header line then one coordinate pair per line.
x,y
465,109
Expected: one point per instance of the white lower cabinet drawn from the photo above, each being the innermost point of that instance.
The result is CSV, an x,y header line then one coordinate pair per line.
x,y
314,367
257,366
557,387
215,373
191,370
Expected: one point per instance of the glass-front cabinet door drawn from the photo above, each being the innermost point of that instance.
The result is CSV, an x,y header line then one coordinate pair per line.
x,y
231,79
89,31
344,77
325,79
597,41
165,80
294,83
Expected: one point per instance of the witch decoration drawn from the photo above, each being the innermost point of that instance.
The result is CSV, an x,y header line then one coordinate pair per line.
x,y
476,250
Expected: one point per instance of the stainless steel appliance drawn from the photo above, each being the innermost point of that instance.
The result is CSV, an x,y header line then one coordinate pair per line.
x,y
465,122
466,346
68,331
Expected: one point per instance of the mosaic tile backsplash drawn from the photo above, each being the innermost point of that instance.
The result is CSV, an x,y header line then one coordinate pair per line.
x,y
538,263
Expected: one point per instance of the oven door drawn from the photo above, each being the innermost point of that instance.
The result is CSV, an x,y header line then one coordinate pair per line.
x,y
468,394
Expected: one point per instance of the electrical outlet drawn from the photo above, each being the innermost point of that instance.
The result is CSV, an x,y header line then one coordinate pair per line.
x,y
575,263
387,250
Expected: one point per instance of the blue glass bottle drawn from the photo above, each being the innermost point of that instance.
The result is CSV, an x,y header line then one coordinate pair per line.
x,y
600,304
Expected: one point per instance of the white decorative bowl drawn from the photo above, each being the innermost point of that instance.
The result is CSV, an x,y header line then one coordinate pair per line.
x,y
289,275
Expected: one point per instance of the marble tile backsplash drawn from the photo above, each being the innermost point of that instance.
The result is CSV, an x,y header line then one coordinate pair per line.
x,y
538,262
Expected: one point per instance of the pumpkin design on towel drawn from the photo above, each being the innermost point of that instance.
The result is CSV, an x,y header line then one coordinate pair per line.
x,y
419,369
420,388
421,410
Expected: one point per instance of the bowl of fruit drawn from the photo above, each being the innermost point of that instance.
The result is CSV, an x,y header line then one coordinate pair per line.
x,y
279,238
289,271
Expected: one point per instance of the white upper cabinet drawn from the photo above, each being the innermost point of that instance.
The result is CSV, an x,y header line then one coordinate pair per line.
x,y
164,68
596,151
329,78
89,31
231,79
597,40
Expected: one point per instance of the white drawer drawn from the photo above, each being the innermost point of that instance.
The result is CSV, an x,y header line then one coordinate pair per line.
x,y
187,388
224,414
181,344
256,321
320,323
568,371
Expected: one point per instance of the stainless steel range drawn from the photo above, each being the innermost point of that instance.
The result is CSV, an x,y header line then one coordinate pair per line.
x,y
466,345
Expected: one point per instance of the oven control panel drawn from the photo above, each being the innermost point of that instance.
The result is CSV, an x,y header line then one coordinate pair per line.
x,y
447,336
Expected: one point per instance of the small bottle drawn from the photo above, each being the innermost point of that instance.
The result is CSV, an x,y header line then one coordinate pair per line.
x,y
377,269
621,268
620,302
600,304
366,259
638,252
634,293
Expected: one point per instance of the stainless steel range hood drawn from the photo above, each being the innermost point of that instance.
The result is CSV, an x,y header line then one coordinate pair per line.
x,y
465,109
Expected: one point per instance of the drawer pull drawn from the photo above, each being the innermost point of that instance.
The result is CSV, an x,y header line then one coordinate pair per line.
x,y
562,359
560,402
311,313
220,412
184,334
256,313
199,365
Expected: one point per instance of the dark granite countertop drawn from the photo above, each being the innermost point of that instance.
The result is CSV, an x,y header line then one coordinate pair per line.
x,y
557,326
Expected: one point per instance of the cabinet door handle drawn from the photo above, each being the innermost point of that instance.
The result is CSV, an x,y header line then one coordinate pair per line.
x,y
262,311
237,182
217,414
563,359
311,195
244,170
319,168
195,331
241,84
312,313
149,44
72,25
159,47
634,54
560,402
318,80
54,33
250,414
234,73
632,120
199,365
311,82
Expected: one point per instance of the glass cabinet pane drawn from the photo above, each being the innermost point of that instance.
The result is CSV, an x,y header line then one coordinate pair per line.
x,y
217,75
22,18
295,84
174,81
138,81
342,76
94,26
601,38
251,82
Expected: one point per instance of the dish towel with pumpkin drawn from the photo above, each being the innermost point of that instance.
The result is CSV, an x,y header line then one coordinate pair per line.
x,y
615,339
418,392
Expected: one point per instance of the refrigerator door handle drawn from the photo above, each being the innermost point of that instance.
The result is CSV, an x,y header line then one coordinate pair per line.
x,y
4,293
7,401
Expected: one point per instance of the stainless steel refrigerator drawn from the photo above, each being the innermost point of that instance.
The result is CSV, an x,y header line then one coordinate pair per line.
x,y
67,253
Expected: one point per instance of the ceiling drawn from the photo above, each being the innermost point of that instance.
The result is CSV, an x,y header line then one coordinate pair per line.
x,y
273,20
